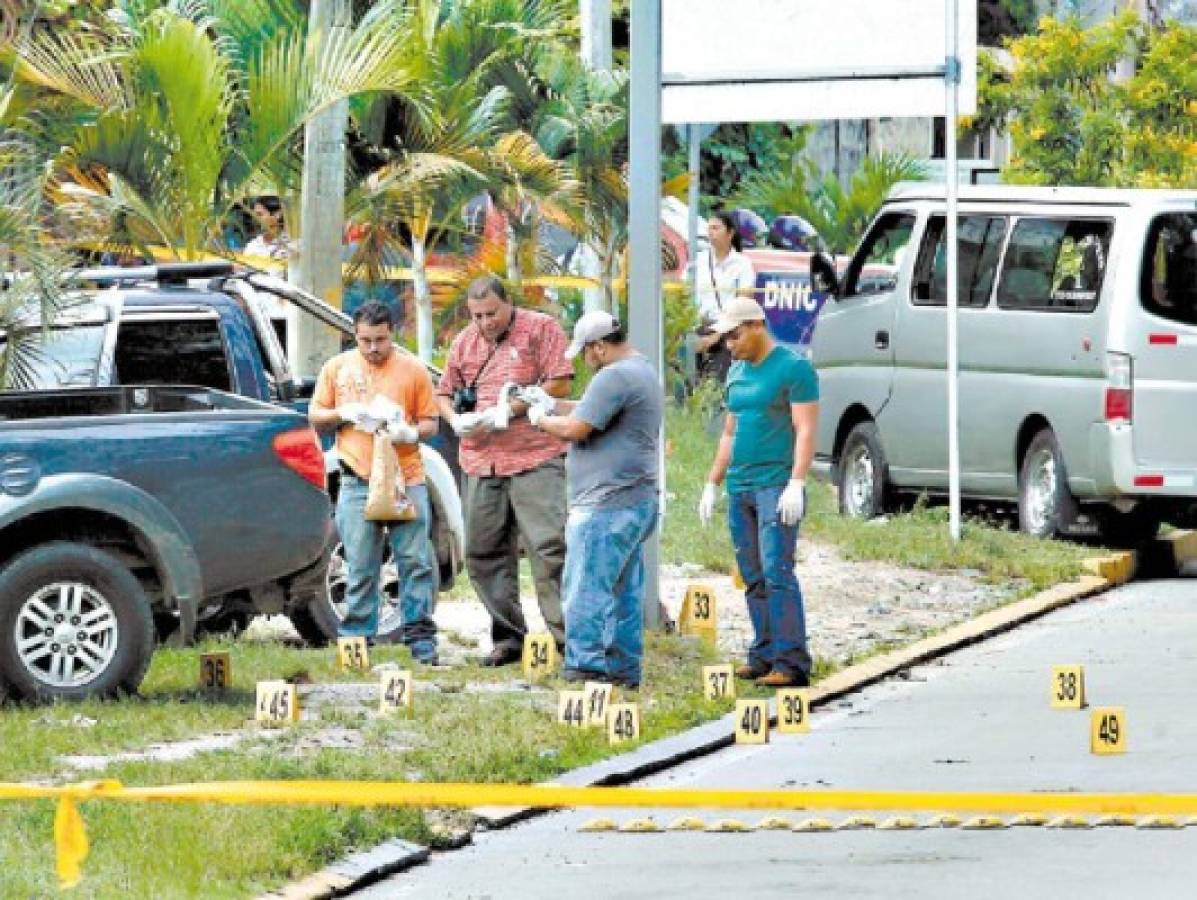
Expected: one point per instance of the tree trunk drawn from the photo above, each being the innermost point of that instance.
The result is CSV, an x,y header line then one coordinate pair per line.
x,y
515,274
425,338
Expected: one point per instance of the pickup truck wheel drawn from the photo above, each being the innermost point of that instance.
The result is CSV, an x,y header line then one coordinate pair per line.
x,y
74,623
319,621
1046,506
863,474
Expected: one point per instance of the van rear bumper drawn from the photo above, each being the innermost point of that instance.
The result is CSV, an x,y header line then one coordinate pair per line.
x,y
1116,473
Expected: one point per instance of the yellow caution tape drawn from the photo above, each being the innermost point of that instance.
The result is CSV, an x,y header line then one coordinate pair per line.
x,y
72,846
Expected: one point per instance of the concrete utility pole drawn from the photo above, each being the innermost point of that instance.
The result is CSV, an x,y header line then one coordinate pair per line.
x,y
645,327
316,267
596,34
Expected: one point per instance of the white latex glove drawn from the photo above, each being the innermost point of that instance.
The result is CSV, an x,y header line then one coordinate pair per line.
x,y
791,506
465,423
535,395
706,504
402,433
536,414
351,413
493,419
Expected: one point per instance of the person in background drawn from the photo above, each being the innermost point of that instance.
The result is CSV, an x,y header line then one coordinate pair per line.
x,y
722,272
765,453
614,434
272,241
346,385
515,475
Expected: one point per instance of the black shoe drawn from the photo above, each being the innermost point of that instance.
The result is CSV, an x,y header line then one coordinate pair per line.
x,y
433,660
751,672
578,675
626,684
500,656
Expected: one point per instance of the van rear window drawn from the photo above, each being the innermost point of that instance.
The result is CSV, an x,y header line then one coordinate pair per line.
x,y
1169,281
1055,265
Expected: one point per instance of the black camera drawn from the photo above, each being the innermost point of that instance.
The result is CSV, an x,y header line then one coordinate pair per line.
x,y
465,399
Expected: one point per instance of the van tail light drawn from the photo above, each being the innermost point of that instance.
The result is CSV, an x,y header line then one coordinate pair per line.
x,y
299,451
1119,388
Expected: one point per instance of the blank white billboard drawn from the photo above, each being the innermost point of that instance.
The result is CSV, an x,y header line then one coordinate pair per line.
x,y
796,60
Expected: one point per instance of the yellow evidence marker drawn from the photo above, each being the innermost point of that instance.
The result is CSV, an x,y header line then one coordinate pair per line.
x,y
698,612
752,721
352,653
598,701
216,671
1068,687
396,690
718,682
571,708
623,723
540,655
277,701
793,711
1107,730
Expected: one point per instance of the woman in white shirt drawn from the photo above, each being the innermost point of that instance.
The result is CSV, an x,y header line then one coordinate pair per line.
x,y
721,272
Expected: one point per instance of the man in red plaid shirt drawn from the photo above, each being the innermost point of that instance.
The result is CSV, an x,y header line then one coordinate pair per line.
x,y
515,475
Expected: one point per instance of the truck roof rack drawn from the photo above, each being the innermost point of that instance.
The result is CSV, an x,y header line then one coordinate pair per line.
x,y
163,273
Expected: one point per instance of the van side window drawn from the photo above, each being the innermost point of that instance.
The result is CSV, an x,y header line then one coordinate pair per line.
x,y
881,255
1169,281
172,352
1055,265
978,246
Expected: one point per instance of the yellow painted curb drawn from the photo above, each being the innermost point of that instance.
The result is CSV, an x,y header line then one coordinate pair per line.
x,y
598,825
900,823
775,823
811,825
729,825
1117,568
686,823
639,826
1184,546
984,823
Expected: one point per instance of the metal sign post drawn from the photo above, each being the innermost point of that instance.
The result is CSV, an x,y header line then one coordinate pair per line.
x,y
951,176
645,325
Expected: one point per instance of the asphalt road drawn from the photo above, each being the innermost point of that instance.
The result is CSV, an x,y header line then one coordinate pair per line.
x,y
979,720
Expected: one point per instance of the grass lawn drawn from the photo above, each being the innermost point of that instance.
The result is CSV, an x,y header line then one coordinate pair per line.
x,y
458,732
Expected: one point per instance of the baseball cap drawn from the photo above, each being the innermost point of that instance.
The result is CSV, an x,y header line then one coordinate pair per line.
x,y
736,312
593,326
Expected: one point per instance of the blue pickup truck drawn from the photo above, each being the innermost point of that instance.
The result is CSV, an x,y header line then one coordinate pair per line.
x,y
210,325
119,506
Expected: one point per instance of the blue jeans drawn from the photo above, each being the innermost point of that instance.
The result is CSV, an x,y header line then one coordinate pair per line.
x,y
603,588
411,548
765,556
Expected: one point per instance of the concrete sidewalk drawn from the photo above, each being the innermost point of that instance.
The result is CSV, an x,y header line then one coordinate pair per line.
x,y
978,720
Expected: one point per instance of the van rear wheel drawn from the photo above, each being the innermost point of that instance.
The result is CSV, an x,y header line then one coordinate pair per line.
x,y
863,474
1046,506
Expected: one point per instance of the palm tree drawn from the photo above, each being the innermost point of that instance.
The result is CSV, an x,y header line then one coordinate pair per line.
x,y
839,216
470,57
585,123
189,111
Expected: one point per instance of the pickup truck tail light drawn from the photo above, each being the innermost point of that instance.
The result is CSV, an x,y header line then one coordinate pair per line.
x,y
1119,388
299,450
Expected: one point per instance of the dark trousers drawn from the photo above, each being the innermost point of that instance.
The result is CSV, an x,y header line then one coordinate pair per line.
x,y
499,512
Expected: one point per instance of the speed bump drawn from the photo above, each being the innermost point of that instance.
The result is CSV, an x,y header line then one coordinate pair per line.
x,y
812,825
640,826
900,823
729,826
686,823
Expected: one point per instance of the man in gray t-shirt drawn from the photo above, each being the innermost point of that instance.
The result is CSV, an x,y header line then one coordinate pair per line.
x,y
614,434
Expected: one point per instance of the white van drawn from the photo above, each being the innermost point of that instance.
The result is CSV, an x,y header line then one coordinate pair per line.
x,y
1077,350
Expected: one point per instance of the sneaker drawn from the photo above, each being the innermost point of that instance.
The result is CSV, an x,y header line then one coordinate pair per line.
x,y
777,678
750,672
500,656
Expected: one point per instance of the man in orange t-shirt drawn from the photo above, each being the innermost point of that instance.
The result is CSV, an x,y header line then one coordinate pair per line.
x,y
347,384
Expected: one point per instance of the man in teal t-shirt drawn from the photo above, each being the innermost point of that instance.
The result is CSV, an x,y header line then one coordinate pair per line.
x,y
765,453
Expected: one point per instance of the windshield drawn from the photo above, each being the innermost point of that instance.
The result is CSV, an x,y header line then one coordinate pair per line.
x,y
64,357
